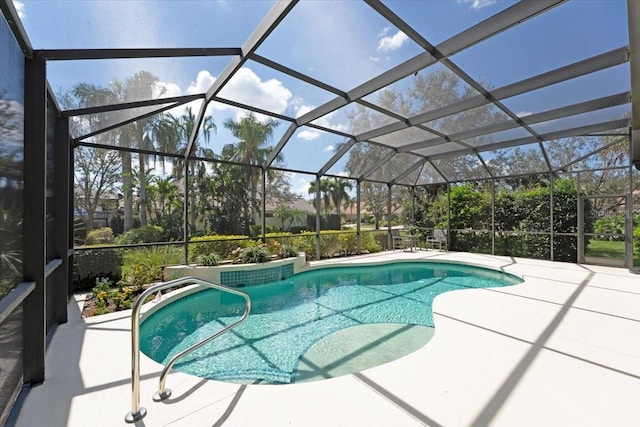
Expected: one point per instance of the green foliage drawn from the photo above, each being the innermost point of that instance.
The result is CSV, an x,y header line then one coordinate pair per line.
x,y
330,244
209,260
288,251
144,265
221,245
469,206
89,265
613,224
108,299
100,236
254,255
636,241
522,219
146,234
117,225
306,242
368,243
348,241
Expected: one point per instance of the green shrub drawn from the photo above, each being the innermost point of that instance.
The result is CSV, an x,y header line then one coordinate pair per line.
x,y
146,234
368,243
254,255
306,242
90,265
221,245
348,241
614,224
209,260
100,236
288,251
109,299
144,265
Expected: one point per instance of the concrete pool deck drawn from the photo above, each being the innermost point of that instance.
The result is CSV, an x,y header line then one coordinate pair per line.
x,y
560,349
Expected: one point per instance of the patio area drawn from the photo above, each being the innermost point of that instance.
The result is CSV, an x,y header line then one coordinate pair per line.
x,y
559,349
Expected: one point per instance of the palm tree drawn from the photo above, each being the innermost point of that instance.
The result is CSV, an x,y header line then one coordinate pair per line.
x,y
251,149
338,191
139,86
325,193
181,128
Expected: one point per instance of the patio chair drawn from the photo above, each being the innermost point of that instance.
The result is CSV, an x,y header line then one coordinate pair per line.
x,y
439,239
398,241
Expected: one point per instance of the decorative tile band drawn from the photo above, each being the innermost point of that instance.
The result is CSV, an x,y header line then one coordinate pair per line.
x,y
240,278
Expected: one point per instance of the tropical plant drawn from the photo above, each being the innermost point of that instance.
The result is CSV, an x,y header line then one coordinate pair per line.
x,y
209,260
251,149
254,254
338,191
322,188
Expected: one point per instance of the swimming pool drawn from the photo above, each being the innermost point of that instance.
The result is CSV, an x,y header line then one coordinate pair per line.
x,y
317,312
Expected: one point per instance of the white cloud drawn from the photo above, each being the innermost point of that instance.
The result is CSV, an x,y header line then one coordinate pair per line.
x,y
309,135
325,121
247,88
202,83
392,43
166,90
329,148
478,4
524,113
19,8
303,109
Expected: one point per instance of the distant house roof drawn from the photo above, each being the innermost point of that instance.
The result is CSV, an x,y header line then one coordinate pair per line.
x,y
295,203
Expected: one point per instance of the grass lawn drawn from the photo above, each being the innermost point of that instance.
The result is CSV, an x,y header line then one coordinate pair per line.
x,y
607,249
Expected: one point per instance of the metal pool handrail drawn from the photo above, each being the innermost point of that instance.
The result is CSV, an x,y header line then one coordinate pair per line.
x,y
137,412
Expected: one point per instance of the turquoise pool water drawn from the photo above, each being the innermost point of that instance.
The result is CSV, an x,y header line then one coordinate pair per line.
x,y
289,316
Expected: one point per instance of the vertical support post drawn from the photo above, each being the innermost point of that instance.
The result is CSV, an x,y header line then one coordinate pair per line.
x,y
70,218
633,17
35,185
389,238
264,204
450,237
62,213
493,216
580,206
358,239
628,239
551,219
318,200
185,210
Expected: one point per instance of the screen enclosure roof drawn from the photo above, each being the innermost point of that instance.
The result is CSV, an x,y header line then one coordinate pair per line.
x,y
402,92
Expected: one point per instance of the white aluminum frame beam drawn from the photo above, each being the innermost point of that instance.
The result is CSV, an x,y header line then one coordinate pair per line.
x,y
557,113
633,15
579,131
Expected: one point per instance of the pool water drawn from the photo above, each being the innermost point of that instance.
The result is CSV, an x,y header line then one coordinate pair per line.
x,y
290,316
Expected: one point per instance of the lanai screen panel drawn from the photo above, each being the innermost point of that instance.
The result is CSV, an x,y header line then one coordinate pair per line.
x,y
341,43
404,137
425,90
309,149
394,167
460,124
429,175
265,88
363,159
96,24
461,168
570,32
519,160
365,70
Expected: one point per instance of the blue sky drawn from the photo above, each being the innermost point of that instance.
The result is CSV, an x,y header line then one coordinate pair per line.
x,y
342,43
